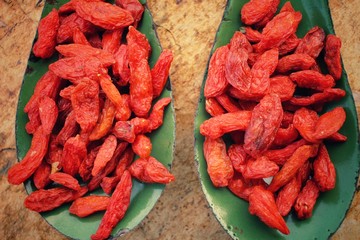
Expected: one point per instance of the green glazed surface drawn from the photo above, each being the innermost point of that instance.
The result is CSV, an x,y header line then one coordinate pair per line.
x,y
331,207
144,196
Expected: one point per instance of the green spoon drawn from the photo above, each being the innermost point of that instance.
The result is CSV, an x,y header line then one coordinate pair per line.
x,y
144,196
331,207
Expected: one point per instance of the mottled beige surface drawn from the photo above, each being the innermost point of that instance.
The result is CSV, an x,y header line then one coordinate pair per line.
x,y
188,29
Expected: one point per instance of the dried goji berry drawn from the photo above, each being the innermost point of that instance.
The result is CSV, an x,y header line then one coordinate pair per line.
x,y
103,14
287,7
134,7
324,170
122,112
34,121
73,154
69,129
216,127
84,51
270,14
332,56
41,175
142,146
138,46
256,10
48,85
46,200
156,172
328,95
282,86
237,70
280,156
313,80
337,137
306,200
71,22
305,121
75,69
48,113
44,47
285,136
262,204
85,206
289,45
136,169
109,168
329,123
291,166
66,180
286,197
124,161
150,170
111,40
229,104
240,187
104,155
216,82
105,121
160,72
87,164
252,35
312,43
141,89
213,107
262,167
85,103
121,66
54,154
265,121
239,40
237,156
22,170
295,62
156,116
280,28
304,171
123,130
140,125
113,214
126,111
219,166
264,66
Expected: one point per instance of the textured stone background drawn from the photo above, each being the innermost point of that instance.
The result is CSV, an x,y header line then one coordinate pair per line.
x,y
187,28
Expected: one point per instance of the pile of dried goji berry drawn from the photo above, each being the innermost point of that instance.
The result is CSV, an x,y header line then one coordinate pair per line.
x,y
90,113
252,92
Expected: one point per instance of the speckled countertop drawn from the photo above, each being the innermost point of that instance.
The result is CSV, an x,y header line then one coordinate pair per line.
x,y
187,28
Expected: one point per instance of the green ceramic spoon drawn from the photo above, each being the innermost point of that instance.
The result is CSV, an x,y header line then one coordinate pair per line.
x,y
331,207
144,196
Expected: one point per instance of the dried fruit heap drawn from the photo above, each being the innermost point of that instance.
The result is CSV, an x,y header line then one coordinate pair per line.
x,y
251,94
91,112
